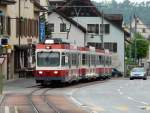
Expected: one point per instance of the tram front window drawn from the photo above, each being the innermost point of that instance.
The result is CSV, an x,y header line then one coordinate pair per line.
x,y
46,59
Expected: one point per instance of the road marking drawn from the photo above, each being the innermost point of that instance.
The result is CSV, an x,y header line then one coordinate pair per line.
x,y
121,87
73,99
94,112
121,93
97,109
119,90
147,108
6,109
145,103
16,109
122,108
130,98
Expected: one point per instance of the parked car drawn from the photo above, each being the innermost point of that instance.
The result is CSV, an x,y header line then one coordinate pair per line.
x,y
138,73
115,72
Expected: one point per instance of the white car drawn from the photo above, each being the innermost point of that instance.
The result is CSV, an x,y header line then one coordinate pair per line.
x,y
138,73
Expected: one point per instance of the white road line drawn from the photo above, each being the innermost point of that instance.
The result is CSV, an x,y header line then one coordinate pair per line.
x,y
121,87
119,90
16,109
7,109
130,98
94,112
76,101
121,93
144,103
73,99
1,99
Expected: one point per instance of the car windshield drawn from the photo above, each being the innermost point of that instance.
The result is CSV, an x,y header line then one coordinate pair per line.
x,y
48,59
138,70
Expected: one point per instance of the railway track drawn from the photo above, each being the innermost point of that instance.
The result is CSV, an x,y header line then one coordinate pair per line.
x,y
43,97
52,103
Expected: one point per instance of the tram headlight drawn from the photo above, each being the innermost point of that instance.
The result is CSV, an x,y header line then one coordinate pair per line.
x,y
56,72
40,72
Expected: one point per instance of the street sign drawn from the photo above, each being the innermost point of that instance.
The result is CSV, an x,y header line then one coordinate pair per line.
x,y
42,31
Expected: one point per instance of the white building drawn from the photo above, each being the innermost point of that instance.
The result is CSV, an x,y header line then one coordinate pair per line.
x,y
141,28
63,27
90,19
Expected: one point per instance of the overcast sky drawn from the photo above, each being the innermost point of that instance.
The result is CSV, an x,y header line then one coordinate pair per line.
x,y
122,0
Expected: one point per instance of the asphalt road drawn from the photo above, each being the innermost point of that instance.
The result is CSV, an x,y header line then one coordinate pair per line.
x,y
114,96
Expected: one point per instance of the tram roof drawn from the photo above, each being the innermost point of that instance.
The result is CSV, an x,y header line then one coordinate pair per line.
x,y
67,46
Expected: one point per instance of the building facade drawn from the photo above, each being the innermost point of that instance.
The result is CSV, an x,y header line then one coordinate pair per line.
x,y
23,24
101,30
139,26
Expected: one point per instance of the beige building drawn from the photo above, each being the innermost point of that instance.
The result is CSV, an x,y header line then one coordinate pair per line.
x,y
22,26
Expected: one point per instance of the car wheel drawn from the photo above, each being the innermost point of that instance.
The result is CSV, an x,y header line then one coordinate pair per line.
x,y
145,78
131,78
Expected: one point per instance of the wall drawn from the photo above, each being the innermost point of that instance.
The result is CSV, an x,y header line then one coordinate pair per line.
x,y
116,35
75,35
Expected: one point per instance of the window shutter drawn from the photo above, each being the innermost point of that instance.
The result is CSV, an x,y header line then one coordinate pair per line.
x,y
17,27
9,26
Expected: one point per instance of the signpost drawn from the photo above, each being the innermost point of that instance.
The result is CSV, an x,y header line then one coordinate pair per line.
x,y
1,75
42,31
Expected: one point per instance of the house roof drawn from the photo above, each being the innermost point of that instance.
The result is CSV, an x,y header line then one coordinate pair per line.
x,y
7,2
115,19
69,19
37,4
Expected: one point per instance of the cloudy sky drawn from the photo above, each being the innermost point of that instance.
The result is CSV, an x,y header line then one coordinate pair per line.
x,y
123,0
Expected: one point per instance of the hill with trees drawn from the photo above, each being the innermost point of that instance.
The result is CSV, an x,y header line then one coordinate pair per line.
x,y
127,8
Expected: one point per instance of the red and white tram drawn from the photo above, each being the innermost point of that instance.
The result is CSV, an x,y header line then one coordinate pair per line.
x,y
57,61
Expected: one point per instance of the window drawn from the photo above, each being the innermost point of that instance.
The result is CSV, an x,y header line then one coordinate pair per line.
x,y
93,28
100,60
65,59
115,47
50,27
111,46
105,29
74,59
93,60
144,30
63,27
84,59
46,59
28,27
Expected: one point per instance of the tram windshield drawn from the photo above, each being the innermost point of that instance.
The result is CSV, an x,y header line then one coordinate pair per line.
x,y
46,59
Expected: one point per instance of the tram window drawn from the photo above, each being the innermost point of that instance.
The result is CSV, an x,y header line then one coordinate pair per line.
x,y
103,60
100,60
107,61
92,60
83,59
78,60
70,60
73,59
46,59
64,59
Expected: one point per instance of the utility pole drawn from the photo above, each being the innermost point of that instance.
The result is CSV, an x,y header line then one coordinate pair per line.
x,y
135,54
19,21
102,33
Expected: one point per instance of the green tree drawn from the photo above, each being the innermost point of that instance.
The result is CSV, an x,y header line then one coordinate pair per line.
x,y
138,48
